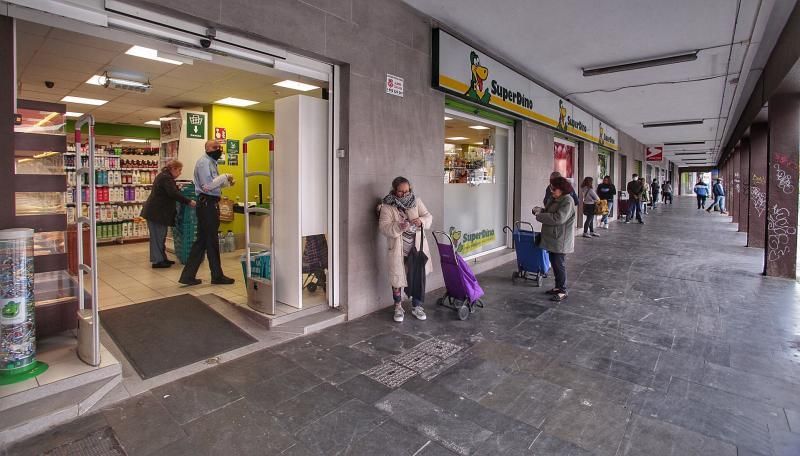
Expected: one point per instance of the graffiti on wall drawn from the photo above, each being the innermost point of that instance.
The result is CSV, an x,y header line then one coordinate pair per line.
x,y
783,179
758,180
759,199
779,230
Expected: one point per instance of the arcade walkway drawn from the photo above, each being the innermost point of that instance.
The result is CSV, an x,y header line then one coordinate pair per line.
x,y
671,343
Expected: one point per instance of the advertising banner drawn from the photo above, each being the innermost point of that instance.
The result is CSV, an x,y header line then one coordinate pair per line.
x,y
654,153
463,71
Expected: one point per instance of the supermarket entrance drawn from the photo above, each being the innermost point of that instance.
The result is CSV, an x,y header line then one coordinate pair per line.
x,y
153,103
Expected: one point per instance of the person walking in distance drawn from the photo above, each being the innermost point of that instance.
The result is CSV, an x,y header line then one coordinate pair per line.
x,y
558,232
719,197
645,196
701,190
666,192
589,199
655,189
635,189
606,191
208,183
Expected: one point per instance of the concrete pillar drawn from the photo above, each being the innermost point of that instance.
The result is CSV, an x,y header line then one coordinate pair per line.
x,y
743,186
782,183
757,223
7,109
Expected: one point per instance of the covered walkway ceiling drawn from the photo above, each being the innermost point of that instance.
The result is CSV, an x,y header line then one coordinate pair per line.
x,y
554,41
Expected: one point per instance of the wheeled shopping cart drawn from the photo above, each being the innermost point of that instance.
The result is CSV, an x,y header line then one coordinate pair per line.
x,y
532,262
463,291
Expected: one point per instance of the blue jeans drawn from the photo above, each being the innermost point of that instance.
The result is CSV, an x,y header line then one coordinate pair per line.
x,y
634,207
719,201
604,220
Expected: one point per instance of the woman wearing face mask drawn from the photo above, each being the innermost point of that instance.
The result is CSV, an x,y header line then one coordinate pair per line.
x,y
403,217
160,211
558,232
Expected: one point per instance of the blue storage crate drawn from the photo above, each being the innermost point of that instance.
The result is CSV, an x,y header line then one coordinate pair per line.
x,y
260,265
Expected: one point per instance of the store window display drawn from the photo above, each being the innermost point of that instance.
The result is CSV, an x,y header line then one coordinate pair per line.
x,y
564,159
476,162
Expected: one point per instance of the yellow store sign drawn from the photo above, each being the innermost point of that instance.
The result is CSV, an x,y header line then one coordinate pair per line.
x,y
463,71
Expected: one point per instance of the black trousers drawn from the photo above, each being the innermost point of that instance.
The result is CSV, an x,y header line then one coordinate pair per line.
x,y
207,242
588,214
558,261
701,201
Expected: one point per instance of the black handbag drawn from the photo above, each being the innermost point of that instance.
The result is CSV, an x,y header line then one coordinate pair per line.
x,y
415,271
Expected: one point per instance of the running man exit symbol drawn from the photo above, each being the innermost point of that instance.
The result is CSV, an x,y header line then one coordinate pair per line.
x,y
197,125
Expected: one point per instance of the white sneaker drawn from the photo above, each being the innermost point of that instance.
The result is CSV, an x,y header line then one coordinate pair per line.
x,y
419,313
399,313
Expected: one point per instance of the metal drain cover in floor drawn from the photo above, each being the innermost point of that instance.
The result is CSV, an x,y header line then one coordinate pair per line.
x,y
417,360
102,442
438,348
390,374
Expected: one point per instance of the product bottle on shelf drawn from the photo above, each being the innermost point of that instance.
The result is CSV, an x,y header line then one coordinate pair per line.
x,y
230,241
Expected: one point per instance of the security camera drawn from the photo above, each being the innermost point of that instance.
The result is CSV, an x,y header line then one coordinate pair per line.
x,y
49,84
205,42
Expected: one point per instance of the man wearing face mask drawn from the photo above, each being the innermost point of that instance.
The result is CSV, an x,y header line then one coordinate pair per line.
x,y
207,183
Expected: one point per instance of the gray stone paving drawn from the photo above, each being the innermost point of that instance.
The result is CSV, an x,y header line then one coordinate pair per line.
x,y
671,343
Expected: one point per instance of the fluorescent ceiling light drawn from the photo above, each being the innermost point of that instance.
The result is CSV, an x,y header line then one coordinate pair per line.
x,y
153,122
231,101
152,54
294,85
689,153
673,123
477,143
479,127
639,64
448,118
165,119
72,114
97,80
134,140
686,143
457,138
81,100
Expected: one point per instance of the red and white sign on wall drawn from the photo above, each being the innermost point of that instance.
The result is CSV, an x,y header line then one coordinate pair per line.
x,y
654,153
220,134
394,85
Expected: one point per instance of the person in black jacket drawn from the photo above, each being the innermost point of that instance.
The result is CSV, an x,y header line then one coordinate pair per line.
x,y
548,192
160,211
607,191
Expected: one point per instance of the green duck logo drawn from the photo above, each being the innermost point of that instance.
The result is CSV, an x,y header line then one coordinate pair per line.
x,y
11,309
562,116
455,235
602,135
476,92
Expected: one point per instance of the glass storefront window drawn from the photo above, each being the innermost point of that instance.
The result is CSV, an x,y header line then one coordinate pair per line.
x,y
602,166
40,203
41,122
564,158
476,162
33,162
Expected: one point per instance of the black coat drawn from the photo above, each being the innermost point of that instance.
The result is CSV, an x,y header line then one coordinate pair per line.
x,y
160,206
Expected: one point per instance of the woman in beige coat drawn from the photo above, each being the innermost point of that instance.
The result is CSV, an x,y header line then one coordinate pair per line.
x,y
403,218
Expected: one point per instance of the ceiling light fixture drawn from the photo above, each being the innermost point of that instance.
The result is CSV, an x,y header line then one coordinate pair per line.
x,y
111,82
96,80
151,54
239,102
166,119
157,123
81,100
134,140
686,143
72,114
689,153
294,85
639,64
672,123
479,127
456,138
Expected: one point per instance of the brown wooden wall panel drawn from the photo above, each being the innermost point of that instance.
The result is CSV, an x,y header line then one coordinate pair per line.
x,y
48,263
40,183
54,222
33,141
6,122
42,106
56,318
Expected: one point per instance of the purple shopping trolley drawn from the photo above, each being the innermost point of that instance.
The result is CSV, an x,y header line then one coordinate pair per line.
x,y
463,291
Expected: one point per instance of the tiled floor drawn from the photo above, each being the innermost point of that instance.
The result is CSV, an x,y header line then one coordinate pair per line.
x,y
126,277
671,343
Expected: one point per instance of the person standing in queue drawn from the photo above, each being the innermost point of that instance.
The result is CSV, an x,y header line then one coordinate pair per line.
x,y
207,182
589,199
548,192
558,232
635,189
159,210
607,191
403,217
655,189
666,191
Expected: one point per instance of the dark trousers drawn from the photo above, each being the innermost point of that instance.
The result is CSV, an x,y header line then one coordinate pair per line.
x,y
588,213
701,201
655,200
207,242
668,196
558,261
634,207
158,235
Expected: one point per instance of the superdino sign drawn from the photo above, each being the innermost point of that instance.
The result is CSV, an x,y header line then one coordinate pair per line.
x,y
463,71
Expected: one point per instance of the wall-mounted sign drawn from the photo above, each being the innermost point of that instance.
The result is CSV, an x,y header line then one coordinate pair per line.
x,y
463,71
465,243
195,125
220,134
232,150
654,153
394,85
